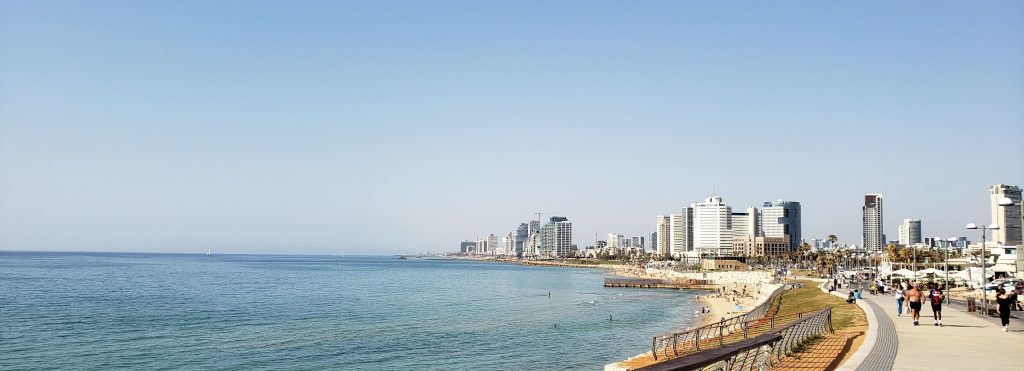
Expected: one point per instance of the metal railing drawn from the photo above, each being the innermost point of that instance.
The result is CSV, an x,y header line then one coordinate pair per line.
x,y
760,347
717,334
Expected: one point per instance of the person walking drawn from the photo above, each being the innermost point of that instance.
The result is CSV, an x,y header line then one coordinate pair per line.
x,y
1003,307
936,296
914,299
899,302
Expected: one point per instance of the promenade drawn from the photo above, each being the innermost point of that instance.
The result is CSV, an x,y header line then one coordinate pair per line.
x,y
967,341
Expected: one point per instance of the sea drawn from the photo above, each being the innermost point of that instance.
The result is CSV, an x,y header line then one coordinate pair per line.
x,y
100,311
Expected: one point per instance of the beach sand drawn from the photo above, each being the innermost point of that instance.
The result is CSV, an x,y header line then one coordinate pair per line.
x,y
724,306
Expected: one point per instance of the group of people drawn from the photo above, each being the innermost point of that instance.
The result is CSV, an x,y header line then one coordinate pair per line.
x,y
912,297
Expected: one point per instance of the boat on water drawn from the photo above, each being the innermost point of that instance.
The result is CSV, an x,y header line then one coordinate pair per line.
x,y
209,252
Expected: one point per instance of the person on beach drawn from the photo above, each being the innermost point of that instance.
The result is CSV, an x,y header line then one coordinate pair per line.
x,y
1003,307
914,299
936,297
899,302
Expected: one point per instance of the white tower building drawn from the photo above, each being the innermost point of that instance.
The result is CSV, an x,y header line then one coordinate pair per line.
x,y
712,234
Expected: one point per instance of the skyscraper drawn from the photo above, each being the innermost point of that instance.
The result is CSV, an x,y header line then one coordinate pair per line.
x,y
522,233
873,238
556,237
681,232
663,233
910,232
745,224
711,232
1008,218
782,218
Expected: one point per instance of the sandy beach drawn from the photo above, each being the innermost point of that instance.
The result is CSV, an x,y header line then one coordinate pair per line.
x,y
723,303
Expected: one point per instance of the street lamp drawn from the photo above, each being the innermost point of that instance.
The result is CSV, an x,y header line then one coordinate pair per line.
x,y
991,227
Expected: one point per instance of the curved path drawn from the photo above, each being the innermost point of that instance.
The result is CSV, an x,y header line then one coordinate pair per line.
x,y
966,342
883,353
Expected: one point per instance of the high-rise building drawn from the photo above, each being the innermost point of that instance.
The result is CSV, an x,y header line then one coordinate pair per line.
x,y
556,237
910,232
873,238
638,242
745,224
663,233
522,233
491,244
1008,218
681,233
508,244
616,240
467,247
711,232
781,218
654,242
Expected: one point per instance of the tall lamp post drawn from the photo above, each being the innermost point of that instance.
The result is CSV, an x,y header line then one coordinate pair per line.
x,y
991,227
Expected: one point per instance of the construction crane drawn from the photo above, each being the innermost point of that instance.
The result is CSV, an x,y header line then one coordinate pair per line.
x,y
539,213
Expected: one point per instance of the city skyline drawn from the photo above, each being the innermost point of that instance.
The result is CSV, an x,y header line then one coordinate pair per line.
x,y
366,128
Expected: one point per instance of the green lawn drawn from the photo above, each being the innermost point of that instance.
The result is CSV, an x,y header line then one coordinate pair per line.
x,y
809,298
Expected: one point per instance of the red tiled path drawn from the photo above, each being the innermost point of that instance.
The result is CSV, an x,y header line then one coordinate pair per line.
x,y
825,354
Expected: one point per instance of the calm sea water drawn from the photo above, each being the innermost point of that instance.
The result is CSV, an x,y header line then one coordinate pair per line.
x,y
171,311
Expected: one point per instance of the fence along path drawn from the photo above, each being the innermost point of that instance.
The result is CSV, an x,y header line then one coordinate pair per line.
x,y
758,348
672,345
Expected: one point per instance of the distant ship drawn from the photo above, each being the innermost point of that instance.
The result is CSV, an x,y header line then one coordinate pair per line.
x,y
209,252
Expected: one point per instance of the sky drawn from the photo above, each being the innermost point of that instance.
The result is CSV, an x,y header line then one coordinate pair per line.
x,y
379,127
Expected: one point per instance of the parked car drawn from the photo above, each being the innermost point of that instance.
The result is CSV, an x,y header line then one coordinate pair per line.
x,y
1007,284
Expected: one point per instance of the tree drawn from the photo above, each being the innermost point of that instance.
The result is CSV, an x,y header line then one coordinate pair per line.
x,y
893,252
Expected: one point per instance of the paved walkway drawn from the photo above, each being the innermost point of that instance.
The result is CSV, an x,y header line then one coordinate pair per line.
x,y
966,342
883,354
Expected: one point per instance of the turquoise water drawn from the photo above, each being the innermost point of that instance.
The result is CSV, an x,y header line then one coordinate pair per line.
x,y
175,311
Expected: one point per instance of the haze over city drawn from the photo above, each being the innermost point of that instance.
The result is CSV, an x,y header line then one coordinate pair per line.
x,y
394,127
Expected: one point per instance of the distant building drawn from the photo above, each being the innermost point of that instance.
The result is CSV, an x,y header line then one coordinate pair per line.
x,y
616,240
681,233
1008,218
491,244
711,222
467,247
760,246
725,263
662,235
638,242
556,237
745,224
654,242
780,219
910,232
873,237
522,233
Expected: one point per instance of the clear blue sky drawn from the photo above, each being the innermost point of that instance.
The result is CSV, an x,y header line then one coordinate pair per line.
x,y
384,126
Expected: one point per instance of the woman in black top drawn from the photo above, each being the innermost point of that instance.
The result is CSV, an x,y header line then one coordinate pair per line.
x,y
1003,300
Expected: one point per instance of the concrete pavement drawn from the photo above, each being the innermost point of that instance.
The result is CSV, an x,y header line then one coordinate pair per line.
x,y
965,342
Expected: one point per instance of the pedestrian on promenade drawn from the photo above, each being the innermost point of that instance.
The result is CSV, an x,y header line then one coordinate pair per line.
x,y
899,302
856,294
1003,301
936,296
914,299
